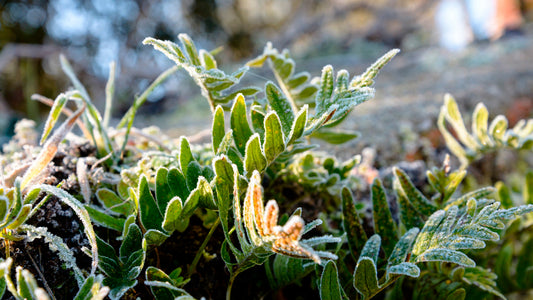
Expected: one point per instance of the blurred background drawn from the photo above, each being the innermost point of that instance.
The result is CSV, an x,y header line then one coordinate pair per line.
x,y
479,50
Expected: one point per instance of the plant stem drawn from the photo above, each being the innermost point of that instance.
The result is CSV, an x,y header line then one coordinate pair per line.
x,y
144,96
230,285
127,119
7,245
192,267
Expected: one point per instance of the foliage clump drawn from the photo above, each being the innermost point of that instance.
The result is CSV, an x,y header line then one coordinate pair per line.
x,y
136,194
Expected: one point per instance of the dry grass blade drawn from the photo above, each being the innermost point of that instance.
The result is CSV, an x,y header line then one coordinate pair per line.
x,y
49,149
81,173
47,101
9,180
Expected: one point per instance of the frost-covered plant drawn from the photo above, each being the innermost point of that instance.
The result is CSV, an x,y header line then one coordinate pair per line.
x,y
484,137
144,192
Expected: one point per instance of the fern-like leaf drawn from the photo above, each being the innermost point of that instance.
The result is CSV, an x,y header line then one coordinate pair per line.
x,y
469,147
216,86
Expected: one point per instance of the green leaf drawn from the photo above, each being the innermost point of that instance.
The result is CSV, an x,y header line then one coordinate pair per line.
x,y
453,116
26,284
384,224
191,203
454,179
408,214
226,143
298,79
352,223
450,140
504,260
185,154
329,283
446,255
371,248
477,194
483,279
325,90
177,183
417,199
239,124
423,241
85,291
163,194
218,131
155,237
335,137
405,268
527,190
254,159
3,207
480,125
223,182
366,79
287,270
281,105
498,128
206,199
307,92
53,116
149,213
131,243
21,217
346,101
190,48
298,126
104,219
160,293
194,171
172,219
111,201
258,122
274,138
207,60
365,278
109,92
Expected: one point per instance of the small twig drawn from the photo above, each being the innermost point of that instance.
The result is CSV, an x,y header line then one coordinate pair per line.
x,y
9,181
46,286
101,160
157,259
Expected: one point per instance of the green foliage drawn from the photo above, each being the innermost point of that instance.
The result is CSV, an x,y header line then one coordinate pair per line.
x,y
123,269
202,67
92,289
151,193
329,283
333,100
460,224
165,286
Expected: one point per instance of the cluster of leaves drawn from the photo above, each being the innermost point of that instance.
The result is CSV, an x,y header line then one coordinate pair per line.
x,y
146,195
484,137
